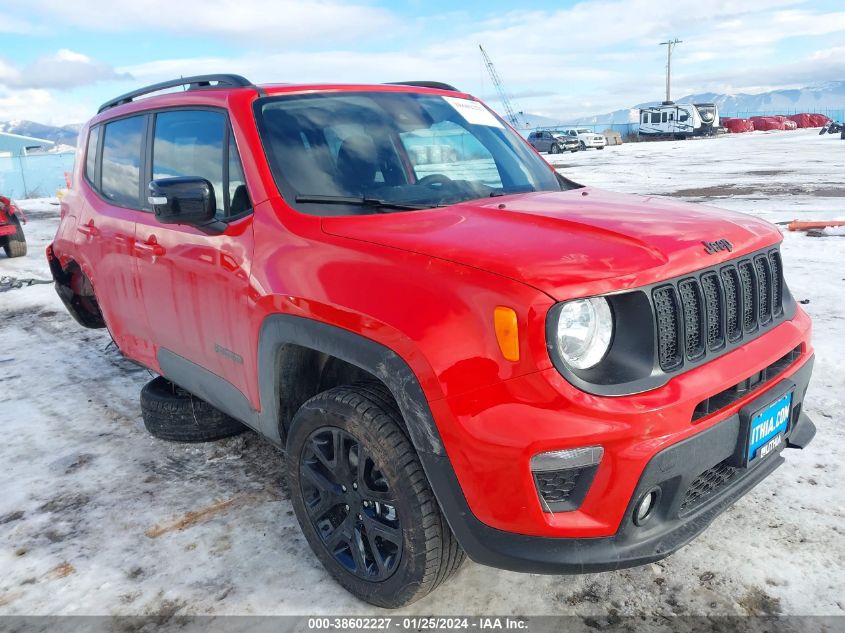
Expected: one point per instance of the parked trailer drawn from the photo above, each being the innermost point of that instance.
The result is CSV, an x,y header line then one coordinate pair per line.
x,y
679,120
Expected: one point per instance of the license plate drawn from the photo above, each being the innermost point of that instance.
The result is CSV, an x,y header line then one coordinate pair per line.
x,y
768,427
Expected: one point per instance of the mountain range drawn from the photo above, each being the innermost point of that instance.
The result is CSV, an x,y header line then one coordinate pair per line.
x,y
60,135
819,98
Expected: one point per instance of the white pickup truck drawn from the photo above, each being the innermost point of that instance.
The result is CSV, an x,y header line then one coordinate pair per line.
x,y
587,138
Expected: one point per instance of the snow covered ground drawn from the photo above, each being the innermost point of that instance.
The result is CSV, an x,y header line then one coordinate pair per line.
x,y
97,517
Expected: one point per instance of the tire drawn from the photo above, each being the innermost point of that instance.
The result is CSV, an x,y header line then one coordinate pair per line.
x,y
583,145
600,147
15,244
554,149
171,413
402,524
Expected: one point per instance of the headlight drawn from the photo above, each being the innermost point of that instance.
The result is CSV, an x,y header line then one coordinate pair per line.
x,y
584,331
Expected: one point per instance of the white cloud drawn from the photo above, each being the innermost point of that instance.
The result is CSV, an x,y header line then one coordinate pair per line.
x,y
64,69
42,106
274,22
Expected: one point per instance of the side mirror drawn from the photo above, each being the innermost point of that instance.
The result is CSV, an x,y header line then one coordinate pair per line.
x,y
184,200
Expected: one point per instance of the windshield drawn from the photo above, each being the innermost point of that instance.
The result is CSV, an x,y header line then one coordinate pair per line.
x,y
397,148
584,130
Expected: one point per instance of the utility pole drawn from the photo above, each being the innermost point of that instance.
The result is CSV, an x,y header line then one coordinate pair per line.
x,y
669,46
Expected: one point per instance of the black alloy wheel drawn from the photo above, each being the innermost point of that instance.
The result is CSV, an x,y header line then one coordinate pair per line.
x,y
350,504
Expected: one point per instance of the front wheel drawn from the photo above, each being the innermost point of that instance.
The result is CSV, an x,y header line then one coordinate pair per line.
x,y
554,149
363,500
583,145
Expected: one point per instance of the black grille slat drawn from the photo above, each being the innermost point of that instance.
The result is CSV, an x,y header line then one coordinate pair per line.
x,y
694,324
777,283
733,304
749,296
764,289
668,328
715,310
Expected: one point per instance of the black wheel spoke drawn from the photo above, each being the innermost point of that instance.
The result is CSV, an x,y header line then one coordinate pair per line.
x,y
383,530
350,503
320,481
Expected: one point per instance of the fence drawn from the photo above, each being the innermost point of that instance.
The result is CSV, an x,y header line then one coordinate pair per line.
x,y
34,176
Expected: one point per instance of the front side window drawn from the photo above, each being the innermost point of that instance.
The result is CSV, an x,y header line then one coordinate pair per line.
x,y
121,163
401,148
190,143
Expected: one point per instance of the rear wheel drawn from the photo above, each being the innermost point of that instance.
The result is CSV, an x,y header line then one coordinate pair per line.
x,y
15,244
363,500
171,413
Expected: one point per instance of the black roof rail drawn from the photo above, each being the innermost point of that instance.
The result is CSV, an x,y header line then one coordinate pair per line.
x,y
193,83
439,85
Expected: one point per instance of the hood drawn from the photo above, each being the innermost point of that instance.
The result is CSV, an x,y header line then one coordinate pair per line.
x,y
570,243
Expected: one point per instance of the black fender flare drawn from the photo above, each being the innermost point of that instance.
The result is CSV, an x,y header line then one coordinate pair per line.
x,y
374,358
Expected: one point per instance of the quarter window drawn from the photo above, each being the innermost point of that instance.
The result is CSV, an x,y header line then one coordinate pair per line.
x,y
91,155
121,169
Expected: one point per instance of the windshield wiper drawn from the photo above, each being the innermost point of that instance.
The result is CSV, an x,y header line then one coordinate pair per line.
x,y
375,203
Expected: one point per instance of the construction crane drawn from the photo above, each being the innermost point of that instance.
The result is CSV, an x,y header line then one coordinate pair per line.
x,y
510,113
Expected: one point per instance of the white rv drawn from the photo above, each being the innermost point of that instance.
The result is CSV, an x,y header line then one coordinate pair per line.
x,y
679,120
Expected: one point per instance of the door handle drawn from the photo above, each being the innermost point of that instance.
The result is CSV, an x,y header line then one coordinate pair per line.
x,y
89,229
150,246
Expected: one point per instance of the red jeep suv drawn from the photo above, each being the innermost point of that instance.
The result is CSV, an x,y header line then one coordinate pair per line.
x,y
461,352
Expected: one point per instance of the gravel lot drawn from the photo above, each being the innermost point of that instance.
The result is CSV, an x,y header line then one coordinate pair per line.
x,y
97,517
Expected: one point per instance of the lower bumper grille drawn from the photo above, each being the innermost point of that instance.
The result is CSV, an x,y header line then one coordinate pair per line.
x,y
706,485
563,490
742,389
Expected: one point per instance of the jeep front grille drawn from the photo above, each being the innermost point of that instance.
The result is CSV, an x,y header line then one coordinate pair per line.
x,y
698,314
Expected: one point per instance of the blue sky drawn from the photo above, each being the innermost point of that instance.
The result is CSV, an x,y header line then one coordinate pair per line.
x,y
59,60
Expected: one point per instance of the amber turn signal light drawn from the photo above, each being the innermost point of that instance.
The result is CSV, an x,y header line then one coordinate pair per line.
x,y
507,332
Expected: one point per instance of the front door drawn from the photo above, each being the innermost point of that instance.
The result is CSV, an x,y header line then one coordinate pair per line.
x,y
195,285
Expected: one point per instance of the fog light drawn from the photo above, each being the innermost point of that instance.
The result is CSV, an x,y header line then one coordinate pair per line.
x,y
646,506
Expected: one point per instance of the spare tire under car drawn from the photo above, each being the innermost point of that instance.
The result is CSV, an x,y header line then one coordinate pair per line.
x,y
173,414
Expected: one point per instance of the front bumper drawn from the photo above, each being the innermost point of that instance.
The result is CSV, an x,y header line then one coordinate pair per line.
x,y
679,515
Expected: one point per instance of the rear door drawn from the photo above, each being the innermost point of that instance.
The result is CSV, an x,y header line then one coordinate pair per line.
x,y
195,285
106,229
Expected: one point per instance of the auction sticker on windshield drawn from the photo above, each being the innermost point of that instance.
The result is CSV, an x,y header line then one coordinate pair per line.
x,y
473,112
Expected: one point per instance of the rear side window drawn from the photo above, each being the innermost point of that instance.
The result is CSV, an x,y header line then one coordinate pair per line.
x,y
121,163
91,155
196,143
